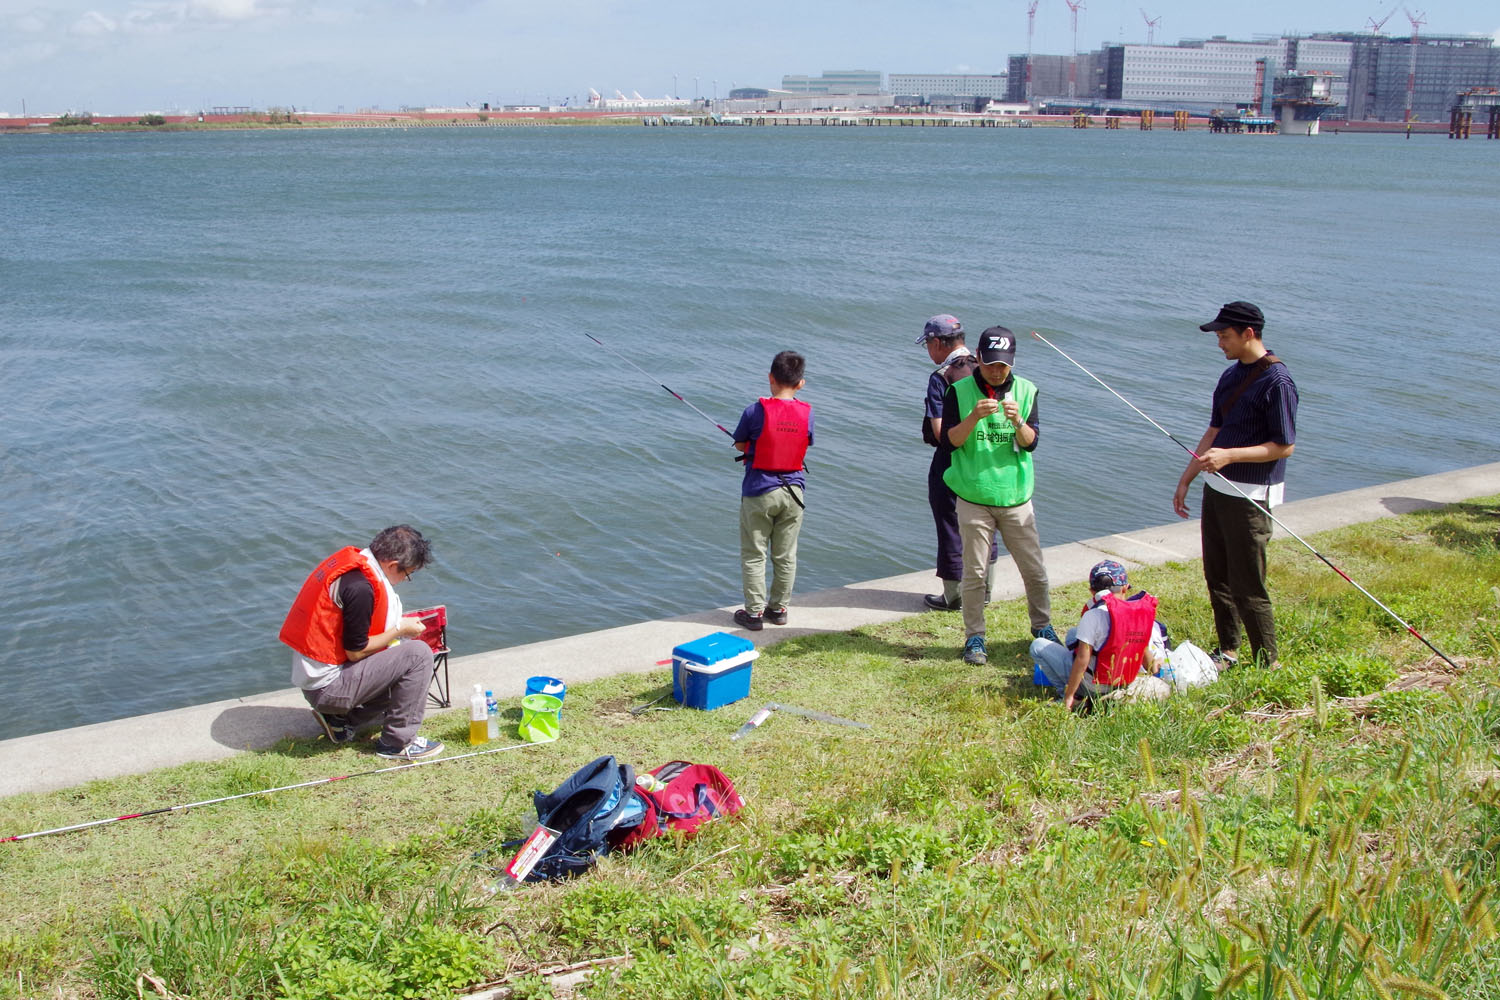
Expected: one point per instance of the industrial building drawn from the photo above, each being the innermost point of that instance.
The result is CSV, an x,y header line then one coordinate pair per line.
x,y
929,85
835,81
1370,74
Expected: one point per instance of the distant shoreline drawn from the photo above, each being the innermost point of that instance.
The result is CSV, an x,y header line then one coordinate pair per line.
x,y
48,125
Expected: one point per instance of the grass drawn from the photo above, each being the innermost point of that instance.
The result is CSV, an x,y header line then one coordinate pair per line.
x,y
1274,835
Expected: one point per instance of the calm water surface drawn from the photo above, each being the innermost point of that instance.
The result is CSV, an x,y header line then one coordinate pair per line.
x,y
225,355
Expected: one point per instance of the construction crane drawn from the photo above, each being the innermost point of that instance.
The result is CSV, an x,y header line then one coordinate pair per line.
x,y
1375,25
1417,20
1151,25
1030,30
1075,7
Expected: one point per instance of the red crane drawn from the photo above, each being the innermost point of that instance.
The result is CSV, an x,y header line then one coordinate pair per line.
x,y
1075,7
1417,20
1375,25
1151,25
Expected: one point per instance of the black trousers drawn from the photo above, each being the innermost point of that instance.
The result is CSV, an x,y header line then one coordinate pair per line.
x,y
1235,532
944,504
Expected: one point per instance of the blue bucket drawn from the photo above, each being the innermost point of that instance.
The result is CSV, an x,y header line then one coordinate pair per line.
x,y
546,685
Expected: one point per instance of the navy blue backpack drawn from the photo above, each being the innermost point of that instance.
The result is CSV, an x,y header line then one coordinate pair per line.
x,y
583,810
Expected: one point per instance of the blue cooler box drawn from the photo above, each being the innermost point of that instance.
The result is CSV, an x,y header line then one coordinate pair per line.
x,y
712,671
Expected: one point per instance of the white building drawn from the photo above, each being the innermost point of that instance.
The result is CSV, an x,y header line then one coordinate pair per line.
x,y
925,85
1216,72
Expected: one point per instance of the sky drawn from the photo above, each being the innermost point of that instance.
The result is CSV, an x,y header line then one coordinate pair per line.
x,y
135,56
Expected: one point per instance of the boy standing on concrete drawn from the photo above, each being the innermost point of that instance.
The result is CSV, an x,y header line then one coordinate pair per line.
x,y
774,432
990,424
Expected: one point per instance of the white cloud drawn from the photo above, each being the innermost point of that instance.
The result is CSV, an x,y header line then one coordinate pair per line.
x,y
225,10
94,24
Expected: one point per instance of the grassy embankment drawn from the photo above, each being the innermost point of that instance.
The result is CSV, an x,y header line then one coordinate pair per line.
x,y
1263,837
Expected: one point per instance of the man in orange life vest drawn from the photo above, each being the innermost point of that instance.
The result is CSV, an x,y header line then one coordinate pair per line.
x,y
345,629
774,432
1109,644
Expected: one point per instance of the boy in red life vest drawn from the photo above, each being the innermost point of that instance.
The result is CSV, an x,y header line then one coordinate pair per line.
x,y
344,629
774,432
1109,646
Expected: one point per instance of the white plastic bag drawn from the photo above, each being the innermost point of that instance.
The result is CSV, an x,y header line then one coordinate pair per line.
x,y
1188,666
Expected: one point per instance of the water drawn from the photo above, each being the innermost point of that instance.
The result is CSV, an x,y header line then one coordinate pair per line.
x,y
227,354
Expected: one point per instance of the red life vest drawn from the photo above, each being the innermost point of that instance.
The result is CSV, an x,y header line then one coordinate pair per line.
x,y
1130,626
315,625
782,444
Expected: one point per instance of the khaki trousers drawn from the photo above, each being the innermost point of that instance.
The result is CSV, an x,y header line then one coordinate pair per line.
x,y
770,521
977,525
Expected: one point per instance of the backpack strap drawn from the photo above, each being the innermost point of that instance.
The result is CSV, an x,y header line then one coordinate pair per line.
x,y
1257,370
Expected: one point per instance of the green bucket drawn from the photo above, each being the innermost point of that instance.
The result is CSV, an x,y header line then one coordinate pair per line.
x,y
539,722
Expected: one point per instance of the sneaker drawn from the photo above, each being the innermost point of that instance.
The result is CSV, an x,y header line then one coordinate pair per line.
x,y
974,651
335,727
1223,660
937,602
1046,632
745,619
415,750
776,616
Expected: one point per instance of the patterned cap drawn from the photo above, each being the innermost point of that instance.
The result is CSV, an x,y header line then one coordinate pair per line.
x,y
941,325
1107,574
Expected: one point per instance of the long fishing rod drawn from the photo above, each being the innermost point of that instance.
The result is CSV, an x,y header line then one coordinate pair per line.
x,y
1265,507
264,791
675,396
739,458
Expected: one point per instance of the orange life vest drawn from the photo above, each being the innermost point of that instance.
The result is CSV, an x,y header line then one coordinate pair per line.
x,y
782,444
1130,626
315,625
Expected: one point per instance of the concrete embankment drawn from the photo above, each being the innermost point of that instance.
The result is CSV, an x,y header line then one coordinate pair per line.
x,y
210,732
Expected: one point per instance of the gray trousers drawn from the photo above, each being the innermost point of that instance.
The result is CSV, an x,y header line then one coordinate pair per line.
x,y
391,685
770,521
977,524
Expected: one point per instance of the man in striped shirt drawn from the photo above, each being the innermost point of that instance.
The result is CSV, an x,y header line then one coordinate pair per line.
x,y
1250,435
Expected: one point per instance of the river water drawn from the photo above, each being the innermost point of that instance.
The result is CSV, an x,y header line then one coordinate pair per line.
x,y
227,354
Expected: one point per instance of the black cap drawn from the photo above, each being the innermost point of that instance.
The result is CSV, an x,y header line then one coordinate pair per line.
x,y
997,345
1237,315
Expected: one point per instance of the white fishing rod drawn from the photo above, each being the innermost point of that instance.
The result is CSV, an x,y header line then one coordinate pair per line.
x,y
1265,507
264,791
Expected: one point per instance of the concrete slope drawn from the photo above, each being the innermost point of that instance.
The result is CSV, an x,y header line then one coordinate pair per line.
x,y
209,732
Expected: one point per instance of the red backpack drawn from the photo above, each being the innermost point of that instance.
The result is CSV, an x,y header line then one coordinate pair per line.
x,y
693,795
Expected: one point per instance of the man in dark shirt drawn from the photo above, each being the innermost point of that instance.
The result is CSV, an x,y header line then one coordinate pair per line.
x,y
1251,432
943,338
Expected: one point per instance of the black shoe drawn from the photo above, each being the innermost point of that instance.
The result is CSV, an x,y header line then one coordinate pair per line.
x,y
937,602
335,727
776,616
745,619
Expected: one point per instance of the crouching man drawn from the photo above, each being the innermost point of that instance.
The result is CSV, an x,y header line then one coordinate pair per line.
x,y
1106,650
345,629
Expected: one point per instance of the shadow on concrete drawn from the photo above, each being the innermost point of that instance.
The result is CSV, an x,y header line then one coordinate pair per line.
x,y
260,727
1409,505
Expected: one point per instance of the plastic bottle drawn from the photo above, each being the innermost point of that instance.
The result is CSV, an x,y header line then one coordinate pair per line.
x,y
479,715
493,710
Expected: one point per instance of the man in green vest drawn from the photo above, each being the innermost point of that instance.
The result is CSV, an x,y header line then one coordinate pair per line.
x,y
990,423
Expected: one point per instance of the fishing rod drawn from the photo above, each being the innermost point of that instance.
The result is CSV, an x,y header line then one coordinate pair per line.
x,y
739,458
675,396
264,791
1265,507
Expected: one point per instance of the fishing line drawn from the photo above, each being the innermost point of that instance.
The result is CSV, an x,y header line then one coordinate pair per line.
x,y
675,396
263,791
740,458
1328,562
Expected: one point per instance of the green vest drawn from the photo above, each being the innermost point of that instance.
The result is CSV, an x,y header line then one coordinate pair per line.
x,y
991,468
